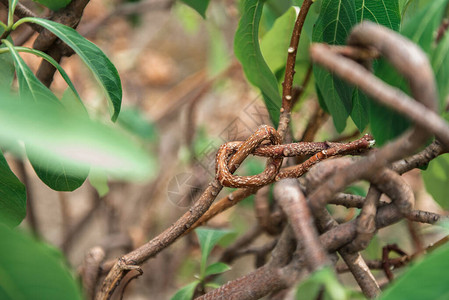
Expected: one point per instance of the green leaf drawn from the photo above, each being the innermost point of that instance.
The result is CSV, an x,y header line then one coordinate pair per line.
x,y
360,109
7,73
332,27
310,288
29,86
247,51
427,279
57,177
30,270
54,4
7,63
56,173
185,293
53,134
275,43
102,68
387,124
383,12
12,196
216,268
422,27
56,65
436,179
208,238
440,64
199,5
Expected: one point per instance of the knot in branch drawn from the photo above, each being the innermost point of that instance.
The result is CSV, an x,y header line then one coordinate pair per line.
x,y
231,155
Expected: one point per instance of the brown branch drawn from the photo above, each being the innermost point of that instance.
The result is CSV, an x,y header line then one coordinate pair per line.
x,y
270,222
287,85
90,270
293,202
157,244
30,208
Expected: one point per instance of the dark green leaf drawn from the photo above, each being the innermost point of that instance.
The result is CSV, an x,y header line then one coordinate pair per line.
x,y
53,134
31,270
95,59
56,173
436,179
53,4
332,27
216,268
29,86
247,51
360,106
383,12
12,196
185,293
199,5
427,279
208,238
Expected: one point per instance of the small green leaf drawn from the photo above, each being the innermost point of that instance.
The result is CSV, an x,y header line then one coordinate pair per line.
x,y
99,180
427,279
216,268
30,270
53,134
332,27
436,179
247,51
275,43
208,238
310,288
199,5
54,4
29,86
185,293
12,196
102,68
